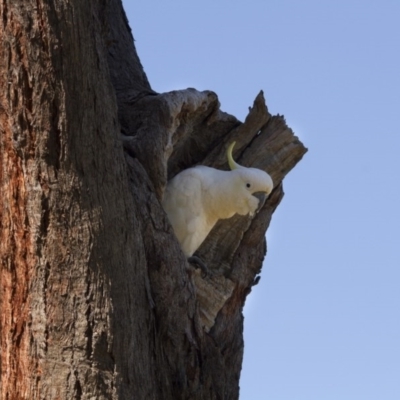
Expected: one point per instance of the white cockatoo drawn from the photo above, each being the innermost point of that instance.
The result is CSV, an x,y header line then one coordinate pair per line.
x,y
196,198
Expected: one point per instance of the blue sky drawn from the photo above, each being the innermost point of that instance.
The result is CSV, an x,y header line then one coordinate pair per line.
x,y
324,322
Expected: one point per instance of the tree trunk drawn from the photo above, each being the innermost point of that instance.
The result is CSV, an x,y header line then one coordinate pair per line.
x,y
97,299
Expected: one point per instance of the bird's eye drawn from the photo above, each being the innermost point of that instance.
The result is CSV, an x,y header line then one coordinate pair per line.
x,y
248,185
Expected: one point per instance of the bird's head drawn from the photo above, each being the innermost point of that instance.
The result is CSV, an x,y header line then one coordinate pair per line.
x,y
252,184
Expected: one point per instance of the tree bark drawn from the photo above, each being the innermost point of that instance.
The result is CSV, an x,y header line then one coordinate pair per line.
x,y
97,299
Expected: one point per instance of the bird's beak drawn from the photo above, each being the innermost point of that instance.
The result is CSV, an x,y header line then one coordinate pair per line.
x,y
262,196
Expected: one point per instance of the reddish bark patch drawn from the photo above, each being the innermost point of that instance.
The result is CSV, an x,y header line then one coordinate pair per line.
x,y
17,249
18,260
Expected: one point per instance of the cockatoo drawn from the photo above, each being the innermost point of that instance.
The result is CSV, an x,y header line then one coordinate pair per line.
x,y
196,198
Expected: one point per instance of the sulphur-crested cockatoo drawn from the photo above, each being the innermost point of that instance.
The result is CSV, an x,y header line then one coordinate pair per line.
x,y
196,198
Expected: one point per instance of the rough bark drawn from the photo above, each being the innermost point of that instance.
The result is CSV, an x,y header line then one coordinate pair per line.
x,y
97,299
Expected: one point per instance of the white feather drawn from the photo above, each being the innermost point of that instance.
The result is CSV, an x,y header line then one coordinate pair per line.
x,y
198,197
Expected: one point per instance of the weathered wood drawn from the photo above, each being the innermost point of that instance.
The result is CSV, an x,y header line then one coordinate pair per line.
x,y
97,299
234,250
69,244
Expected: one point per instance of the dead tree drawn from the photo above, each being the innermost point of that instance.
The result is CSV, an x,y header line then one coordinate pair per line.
x,y
97,300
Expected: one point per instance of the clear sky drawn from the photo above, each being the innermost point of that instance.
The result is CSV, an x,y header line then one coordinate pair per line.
x,y
324,321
